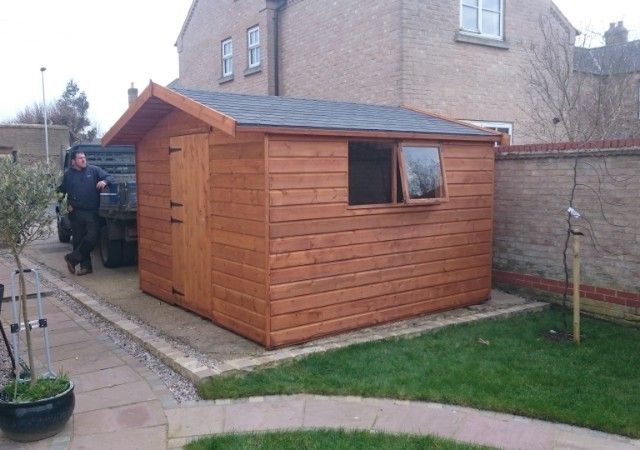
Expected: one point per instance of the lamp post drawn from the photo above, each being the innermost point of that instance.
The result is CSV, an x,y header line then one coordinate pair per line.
x,y
44,110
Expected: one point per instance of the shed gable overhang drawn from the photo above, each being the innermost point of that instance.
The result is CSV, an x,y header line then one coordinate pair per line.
x,y
154,103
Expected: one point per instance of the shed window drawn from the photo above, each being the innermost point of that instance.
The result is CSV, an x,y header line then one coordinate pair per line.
x,y
384,173
227,58
370,169
482,17
253,46
421,173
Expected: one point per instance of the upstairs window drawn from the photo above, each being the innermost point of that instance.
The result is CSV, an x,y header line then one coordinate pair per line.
x,y
227,58
253,46
482,17
383,173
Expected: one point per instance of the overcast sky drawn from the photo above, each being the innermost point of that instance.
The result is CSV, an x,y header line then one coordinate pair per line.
x,y
106,45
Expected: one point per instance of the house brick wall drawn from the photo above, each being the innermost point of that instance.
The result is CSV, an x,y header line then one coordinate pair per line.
x,y
533,186
466,80
396,52
199,48
29,141
342,50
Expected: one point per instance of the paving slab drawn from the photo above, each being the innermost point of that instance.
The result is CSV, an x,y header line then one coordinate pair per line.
x,y
282,414
124,394
149,438
336,413
104,378
138,415
195,421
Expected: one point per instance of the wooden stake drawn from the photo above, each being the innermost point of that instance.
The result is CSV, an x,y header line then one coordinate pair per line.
x,y
576,286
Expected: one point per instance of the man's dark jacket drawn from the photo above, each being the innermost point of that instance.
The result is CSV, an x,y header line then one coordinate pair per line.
x,y
80,187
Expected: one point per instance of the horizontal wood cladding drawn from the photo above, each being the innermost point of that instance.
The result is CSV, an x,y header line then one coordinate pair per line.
x,y
333,267
237,208
354,321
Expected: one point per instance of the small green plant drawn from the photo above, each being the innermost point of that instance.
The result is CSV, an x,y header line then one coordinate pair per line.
x,y
22,391
26,191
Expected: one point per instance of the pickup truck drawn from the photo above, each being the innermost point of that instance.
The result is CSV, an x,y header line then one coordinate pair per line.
x,y
118,206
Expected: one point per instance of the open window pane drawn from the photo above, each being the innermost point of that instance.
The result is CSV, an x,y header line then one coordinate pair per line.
x,y
370,173
421,171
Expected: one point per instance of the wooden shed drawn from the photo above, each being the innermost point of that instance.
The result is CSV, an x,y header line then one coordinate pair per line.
x,y
287,219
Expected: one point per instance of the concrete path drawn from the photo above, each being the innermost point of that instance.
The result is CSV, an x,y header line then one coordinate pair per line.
x,y
382,415
121,405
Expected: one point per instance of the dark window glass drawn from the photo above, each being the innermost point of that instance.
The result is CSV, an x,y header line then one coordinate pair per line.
x,y
370,172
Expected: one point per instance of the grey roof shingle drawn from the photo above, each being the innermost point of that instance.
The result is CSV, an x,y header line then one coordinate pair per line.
x,y
257,110
609,59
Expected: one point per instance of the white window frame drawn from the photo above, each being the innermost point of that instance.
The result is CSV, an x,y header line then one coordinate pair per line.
x,y
493,125
478,31
253,46
227,58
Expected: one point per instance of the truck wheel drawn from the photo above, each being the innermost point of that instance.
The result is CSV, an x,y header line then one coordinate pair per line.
x,y
64,229
130,253
110,250
64,235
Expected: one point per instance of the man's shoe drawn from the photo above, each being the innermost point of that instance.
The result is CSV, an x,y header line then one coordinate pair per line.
x,y
84,271
70,265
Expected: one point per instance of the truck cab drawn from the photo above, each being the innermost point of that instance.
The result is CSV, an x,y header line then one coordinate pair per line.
x,y
118,204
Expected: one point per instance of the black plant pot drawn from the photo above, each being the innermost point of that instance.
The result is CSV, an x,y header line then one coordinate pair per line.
x,y
26,422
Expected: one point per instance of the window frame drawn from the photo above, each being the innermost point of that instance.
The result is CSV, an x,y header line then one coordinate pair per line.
x,y
227,57
253,47
493,125
397,170
479,32
405,178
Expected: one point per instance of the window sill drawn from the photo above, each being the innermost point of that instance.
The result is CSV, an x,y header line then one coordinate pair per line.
x,y
412,204
252,70
479,40
226,79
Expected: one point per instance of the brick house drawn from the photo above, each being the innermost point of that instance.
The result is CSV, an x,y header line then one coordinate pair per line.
x,y
617,61
460,58
26,141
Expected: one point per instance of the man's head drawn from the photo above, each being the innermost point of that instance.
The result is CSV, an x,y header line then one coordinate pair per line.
x,y
78,160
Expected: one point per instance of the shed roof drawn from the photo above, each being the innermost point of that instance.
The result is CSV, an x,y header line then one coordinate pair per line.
x,y
257,110
229,112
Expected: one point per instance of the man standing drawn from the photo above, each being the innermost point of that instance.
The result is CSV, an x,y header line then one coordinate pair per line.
x,y
82,184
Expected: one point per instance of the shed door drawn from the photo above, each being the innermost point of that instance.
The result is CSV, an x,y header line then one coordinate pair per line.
x,y
191,259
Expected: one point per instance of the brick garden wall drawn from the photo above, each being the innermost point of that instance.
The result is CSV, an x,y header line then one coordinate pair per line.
x,y
28,141
533,188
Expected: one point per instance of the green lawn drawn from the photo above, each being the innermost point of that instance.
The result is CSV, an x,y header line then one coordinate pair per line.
x,y
324,439
501,365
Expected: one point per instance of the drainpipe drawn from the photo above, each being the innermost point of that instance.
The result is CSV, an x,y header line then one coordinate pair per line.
x,y
273,24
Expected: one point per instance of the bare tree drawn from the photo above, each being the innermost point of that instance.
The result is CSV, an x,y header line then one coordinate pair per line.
x,y
578,93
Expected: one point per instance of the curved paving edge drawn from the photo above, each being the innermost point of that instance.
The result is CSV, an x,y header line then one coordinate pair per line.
x,y
195,371
193,420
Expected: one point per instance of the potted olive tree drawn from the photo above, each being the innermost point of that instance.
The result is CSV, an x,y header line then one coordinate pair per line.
x,y
31,407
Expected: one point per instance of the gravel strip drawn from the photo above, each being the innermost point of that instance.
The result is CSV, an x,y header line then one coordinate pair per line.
x,y
182,389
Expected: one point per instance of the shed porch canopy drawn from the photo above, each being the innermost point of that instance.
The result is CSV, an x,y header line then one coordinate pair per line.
x,y
233,113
